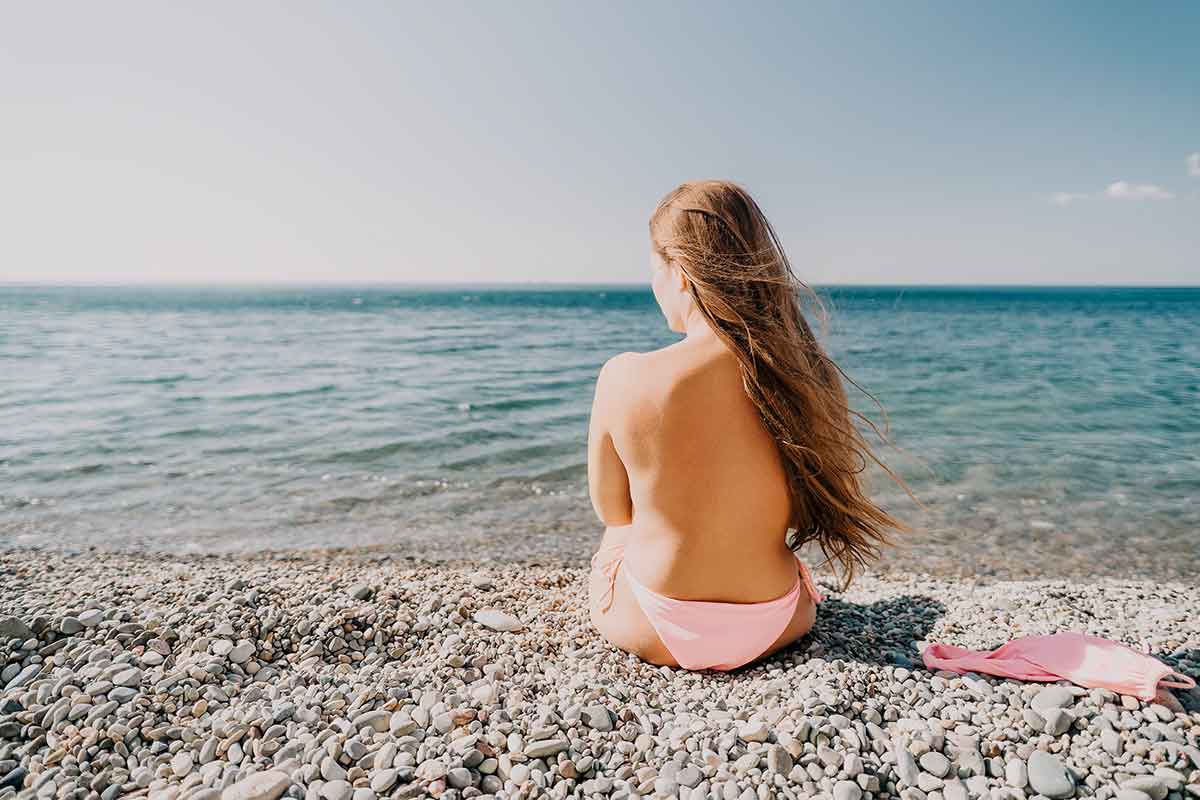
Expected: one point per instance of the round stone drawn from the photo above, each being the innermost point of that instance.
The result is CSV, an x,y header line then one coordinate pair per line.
x,y
1052,697
1048,776
754,732
1152,785
432,770
181,763
689,776
241,653
266,785
906,765
498,620
1058,721
935,764
401,724
382,780
337,790
597,718
1016,774
546,747
847,790
459,777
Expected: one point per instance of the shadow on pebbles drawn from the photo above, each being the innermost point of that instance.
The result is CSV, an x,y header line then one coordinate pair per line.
x,y
350,677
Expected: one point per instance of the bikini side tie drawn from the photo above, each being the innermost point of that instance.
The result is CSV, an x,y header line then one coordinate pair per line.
x,y
609,570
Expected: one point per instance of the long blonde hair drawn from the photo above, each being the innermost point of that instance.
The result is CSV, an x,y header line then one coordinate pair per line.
x,y
742,282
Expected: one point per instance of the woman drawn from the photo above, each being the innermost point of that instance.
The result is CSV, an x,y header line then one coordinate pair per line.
x,y
703,454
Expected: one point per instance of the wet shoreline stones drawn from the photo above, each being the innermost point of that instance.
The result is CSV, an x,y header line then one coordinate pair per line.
x,y
356,677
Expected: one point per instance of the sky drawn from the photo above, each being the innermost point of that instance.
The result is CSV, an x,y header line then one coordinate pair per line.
x,y
384,142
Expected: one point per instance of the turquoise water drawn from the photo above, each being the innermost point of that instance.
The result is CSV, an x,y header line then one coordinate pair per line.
x,y
1051,427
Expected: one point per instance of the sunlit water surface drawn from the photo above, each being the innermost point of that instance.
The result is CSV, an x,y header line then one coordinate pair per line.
x,y
1045,430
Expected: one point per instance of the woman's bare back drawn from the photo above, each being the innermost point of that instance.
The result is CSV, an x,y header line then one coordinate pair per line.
x,y
708,488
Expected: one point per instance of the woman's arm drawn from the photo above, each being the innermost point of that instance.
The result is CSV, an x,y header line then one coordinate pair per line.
x,y
608,482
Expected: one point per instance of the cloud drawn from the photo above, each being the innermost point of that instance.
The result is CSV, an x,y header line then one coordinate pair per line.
x,y
1193,162
1066,198
1123,190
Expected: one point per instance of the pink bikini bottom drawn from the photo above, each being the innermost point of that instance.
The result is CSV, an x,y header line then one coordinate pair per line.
x,y
705,635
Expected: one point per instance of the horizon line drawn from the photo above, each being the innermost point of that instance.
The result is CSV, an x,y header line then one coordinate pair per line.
x,y
323,284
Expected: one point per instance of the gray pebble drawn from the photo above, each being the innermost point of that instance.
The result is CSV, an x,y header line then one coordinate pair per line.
x,y
906,765
241,652
1048,776
1152,785
847,790
335,790
1052,697
546,747
754,732
182,763
383,779
955,790
13,628
459,778
1016,774
376,720
935,763
1058,721
1110,740
779,760
497,620
597,718
131,678
266,785
24,677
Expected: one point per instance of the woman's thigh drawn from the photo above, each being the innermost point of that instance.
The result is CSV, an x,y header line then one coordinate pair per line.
x,y
800,624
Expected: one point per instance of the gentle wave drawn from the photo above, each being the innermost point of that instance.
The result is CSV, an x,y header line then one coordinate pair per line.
x,y
153,381
286,394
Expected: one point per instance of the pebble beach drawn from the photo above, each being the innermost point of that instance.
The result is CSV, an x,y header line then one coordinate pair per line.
x,y
303,313
357,675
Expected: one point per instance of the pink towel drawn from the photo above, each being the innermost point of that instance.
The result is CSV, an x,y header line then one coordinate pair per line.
x,y
1081,659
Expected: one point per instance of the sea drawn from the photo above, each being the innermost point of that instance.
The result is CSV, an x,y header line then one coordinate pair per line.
x,y
1043,431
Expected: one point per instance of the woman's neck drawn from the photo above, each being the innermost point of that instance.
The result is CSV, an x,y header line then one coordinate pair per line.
x,y
695,326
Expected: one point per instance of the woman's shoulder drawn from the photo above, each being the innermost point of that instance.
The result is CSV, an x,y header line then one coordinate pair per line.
x,y
634,376
622,379
633,367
